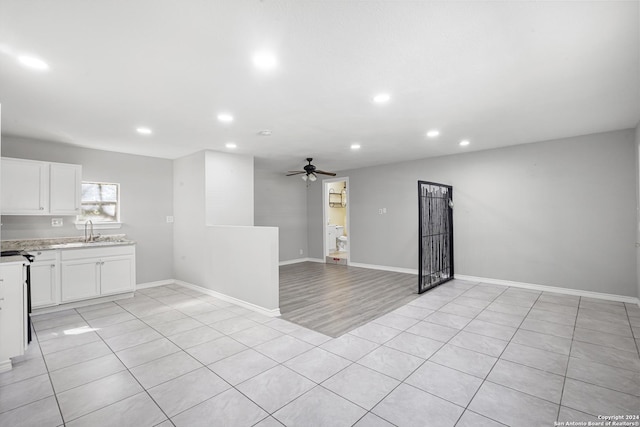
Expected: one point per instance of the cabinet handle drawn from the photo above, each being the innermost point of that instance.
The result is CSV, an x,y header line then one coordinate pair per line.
x,y
53,266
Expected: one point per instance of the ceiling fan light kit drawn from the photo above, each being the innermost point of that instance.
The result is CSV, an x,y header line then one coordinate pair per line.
x,y
310,172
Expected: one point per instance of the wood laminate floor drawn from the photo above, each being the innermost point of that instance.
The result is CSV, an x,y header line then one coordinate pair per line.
x,y
334,299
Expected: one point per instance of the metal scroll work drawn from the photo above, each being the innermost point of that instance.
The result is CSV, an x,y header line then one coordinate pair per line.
x,y
435,202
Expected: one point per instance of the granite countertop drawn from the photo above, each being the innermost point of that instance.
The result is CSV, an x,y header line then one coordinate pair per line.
x,y
65,243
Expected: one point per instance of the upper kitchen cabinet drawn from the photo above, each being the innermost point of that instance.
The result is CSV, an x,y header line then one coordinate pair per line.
x,y
25,187
40,188
64,188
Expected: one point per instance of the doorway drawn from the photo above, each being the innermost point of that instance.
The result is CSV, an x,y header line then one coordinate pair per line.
x,y
435,231
336,224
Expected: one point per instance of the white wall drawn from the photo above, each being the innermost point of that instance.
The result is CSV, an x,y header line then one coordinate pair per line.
x,y
557,213
246,268
229,189
281,201
189,218
637,132
146,200
238,261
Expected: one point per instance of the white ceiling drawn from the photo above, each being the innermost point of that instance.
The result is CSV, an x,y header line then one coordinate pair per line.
x,y
495,72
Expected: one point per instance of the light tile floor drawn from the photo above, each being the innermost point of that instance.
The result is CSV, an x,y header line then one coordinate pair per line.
x,y
463,354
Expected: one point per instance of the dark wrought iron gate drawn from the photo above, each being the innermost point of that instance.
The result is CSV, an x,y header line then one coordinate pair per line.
x,y
435,213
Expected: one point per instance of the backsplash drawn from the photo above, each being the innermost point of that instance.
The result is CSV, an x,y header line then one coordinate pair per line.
x,y
39,227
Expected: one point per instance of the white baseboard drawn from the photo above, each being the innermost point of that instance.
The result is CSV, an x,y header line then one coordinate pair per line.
x,y
298,260
154,284
545,288
385,268
293,261
5,365
241,303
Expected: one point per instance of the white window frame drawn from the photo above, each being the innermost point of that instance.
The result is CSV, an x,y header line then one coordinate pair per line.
x,y
101,225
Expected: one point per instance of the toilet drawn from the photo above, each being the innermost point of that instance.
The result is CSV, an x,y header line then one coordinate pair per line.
x,y
342,243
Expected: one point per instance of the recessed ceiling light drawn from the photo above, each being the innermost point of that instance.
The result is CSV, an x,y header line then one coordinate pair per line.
x,y
265,60
225,117
433,133
231,145
381,98
355,146
33,62
144,131
265,132
464,143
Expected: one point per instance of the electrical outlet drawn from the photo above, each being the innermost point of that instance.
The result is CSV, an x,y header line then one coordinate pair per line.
x,y
56,222
380,211
169,219
301,252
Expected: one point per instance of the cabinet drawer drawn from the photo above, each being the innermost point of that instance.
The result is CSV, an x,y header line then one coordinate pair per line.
x,y
44,255
71,254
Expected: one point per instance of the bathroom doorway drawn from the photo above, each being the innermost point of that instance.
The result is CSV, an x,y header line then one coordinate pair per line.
x,y
336,223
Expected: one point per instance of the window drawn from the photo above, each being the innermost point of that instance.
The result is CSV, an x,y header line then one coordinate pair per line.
x,y
100,203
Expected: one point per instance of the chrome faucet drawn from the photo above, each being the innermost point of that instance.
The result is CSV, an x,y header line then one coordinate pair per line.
x,y
91,237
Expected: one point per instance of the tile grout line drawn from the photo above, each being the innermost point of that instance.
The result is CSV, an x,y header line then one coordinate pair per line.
x,y
132,376
378,346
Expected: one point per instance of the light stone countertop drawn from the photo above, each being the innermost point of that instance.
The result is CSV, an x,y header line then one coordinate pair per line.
x,y
64,243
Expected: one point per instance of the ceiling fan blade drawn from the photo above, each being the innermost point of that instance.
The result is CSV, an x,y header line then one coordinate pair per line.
x,y
295,173
325,173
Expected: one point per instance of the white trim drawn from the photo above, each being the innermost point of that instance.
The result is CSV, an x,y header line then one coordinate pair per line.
x,y
154,284
325,215
265,311
385,268
293,261
545,288
5,365
298,260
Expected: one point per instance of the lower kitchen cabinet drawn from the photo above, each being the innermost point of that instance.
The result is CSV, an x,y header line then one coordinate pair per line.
x,y
80,279
13,313
44,279
95,272
115,275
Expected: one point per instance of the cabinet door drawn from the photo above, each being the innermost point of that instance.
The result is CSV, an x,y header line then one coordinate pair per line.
x,y
12,311
79,279
65,186
25,189
43,284
116,275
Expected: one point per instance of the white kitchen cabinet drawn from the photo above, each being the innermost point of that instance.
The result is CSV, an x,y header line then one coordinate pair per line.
x,y
13,313
44,279
80,279
40,188
25,187
116,274
89,273
65,182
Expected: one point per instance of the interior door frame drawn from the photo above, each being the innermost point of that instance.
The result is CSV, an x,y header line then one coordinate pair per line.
x,y
325,215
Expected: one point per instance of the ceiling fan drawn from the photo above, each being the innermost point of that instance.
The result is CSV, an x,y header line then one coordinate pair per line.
x,y
310,172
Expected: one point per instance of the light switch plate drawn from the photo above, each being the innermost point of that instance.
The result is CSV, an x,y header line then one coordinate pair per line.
x,y
169,219
56,222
